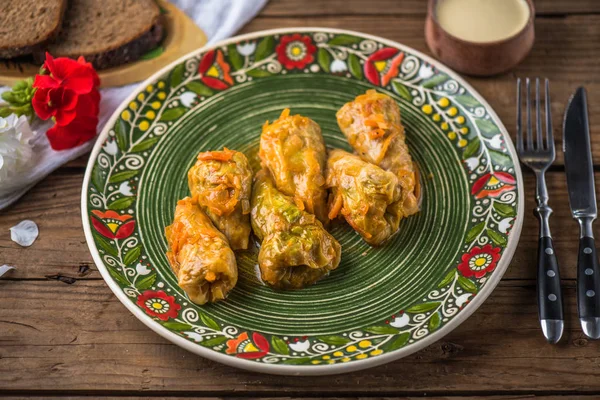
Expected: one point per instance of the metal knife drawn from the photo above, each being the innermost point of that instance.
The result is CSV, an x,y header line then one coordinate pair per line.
x,y
582,197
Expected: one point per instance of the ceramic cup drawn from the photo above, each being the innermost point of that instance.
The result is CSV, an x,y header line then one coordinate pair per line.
x,y
479,59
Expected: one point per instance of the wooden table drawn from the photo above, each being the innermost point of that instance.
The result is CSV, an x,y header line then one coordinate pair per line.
x,y
71,336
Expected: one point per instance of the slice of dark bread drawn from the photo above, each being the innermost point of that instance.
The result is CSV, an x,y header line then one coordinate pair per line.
x,y
108,32
27,24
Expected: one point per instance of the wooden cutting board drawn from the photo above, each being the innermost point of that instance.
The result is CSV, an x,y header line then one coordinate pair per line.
x,y
182,36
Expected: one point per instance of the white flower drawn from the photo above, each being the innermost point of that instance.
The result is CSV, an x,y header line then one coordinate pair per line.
x,y
400,322
463,299
5,268
194,336
425,71
125,189
15,150
496,141
141,269
247,48
300,346
187,98
472,163
111,147
24,233
338,66
504,224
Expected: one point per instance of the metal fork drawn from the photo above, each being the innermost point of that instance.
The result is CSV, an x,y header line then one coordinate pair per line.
x,y
538,155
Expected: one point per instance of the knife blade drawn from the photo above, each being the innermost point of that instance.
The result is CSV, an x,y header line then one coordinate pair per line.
x,y
578,157
582,198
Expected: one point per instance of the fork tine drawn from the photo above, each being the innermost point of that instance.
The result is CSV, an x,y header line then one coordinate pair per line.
x,y
519,127
538,116
549,133
528,114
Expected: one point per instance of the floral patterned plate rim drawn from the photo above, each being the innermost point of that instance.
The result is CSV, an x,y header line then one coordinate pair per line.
x,y
423,289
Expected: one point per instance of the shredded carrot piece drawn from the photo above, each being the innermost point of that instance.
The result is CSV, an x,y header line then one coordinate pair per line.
x,y
376,133
224,155
285,113
210,276
299,203
336,206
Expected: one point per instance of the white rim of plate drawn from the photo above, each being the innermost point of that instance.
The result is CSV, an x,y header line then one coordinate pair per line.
x,y
328,369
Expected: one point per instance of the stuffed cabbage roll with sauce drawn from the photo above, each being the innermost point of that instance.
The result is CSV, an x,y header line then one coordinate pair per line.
x,y
293,150
200,255
372,125
221,183
295,249
363,194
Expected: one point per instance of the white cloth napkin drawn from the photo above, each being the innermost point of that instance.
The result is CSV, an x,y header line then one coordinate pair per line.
x,y
219,19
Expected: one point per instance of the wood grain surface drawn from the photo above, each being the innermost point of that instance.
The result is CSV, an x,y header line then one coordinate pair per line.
x,y
63,333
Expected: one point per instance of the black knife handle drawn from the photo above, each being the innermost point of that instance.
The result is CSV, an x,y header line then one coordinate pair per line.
x,y
588,279
549,293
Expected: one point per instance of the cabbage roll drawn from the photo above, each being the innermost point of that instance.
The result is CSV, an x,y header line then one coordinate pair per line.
x,y
363,194
221,183
372,125
296,250
200,255
293,150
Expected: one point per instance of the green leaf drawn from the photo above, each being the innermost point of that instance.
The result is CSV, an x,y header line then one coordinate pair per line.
x,y
496,237
209,322
144,145
354,66
122,176
214,341
467,284
398,342
381,330
279,346
176,326
435,321
173,113
121,204
97,178
402,90
265,48
486,126
105,245
146,283
235,58
344,40
500,158
121,134
434,81
132,255
423,307
258,73
472,148
118,277
177,75
334,340
447,279
467,100
504,209
153,53
296,361
475,231
199,88
324,59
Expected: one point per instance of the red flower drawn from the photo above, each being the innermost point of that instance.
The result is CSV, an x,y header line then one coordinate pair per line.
x,y
158,304
112,225
493,185
383,65
295,51
479,261
67,92
214,71
243,347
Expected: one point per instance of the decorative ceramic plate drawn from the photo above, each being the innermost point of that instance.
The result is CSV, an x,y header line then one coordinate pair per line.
x,y
381,304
